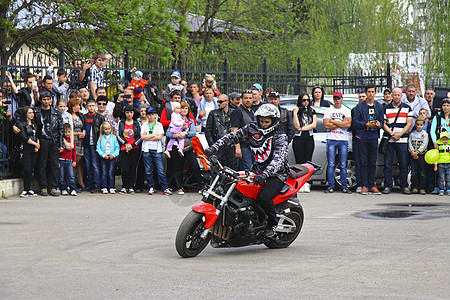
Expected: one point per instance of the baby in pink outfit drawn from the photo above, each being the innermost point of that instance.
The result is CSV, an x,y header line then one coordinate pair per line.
x,y
176,126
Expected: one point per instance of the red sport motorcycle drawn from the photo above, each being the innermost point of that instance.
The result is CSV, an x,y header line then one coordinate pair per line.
x,y
229,216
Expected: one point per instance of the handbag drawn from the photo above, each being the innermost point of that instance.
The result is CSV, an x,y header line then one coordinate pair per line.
x,y
17,154
382,148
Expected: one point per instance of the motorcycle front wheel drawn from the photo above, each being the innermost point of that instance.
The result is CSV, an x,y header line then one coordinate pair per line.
x,y
188,241
283,240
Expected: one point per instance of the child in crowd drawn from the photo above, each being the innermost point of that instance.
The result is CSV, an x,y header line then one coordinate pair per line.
x,y
67,119
67,161
108,148
175,84
418,142
443,164
210,82
426,117
137,83
151,133
176,126
92,122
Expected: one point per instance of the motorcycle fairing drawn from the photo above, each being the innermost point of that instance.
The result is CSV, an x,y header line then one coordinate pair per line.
x,y
209,211
252,191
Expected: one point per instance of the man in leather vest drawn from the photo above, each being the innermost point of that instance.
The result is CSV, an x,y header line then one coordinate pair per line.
x,y
286,122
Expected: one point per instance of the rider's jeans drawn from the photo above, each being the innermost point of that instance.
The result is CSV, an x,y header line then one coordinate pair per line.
x,y
342,148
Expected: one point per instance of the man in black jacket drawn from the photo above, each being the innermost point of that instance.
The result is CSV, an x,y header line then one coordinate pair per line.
x,y
92,122
217,126
152,93
286,122
50,135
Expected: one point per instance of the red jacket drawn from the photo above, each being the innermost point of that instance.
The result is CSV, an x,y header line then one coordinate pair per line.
x,y
69,154
138,87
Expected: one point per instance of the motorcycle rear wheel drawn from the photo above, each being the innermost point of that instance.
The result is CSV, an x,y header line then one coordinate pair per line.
x,y
188,242
283,240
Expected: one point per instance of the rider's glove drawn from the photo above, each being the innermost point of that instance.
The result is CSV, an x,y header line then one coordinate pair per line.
x,y
209,152
260,179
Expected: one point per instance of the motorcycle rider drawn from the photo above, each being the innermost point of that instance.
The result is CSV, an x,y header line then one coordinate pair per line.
x,y
269,145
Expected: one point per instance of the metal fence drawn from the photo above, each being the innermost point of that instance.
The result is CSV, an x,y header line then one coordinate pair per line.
x,y
288,80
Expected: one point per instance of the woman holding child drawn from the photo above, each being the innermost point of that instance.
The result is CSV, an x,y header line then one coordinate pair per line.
x,y
175,164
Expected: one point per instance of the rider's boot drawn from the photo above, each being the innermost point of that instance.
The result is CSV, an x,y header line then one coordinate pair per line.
x,y
269,232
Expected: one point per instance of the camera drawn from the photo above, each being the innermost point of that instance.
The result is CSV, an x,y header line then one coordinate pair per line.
x,y
7,102
127,96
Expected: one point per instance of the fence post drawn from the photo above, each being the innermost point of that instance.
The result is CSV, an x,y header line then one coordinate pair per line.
x,y
389,77
62,57
266,75
126,60
299,76
225,75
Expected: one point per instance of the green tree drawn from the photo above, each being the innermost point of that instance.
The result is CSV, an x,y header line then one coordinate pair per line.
x,y
83,26
435,37
320,33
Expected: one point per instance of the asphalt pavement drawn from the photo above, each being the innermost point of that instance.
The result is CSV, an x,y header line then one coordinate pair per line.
x,y
97,246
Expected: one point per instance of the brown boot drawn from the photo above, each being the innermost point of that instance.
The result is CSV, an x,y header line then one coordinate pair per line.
x,y
422,192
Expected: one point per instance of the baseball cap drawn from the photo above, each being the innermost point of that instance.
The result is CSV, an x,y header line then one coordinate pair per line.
x,y
443,134
257,85
138,74
337,94
151,110
176,74
273,94
235,95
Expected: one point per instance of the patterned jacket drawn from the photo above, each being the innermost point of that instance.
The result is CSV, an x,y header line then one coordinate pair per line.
x,y
270,151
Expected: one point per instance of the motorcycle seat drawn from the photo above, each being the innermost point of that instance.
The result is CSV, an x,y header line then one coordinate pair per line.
x,y
296,171
284,189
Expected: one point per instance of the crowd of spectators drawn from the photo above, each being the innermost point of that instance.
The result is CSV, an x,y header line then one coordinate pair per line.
x,y
72,136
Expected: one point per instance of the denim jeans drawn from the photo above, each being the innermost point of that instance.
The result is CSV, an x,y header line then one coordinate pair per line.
x,y
153,157
418,179
108,179
401,151
247,160
444,177
91,158
66,175
368,149
342,148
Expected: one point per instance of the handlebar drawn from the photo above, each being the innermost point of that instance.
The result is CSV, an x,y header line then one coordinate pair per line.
x,y
214,162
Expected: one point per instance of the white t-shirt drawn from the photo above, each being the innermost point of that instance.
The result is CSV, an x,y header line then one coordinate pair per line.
x,y
157,128
209,106
338,134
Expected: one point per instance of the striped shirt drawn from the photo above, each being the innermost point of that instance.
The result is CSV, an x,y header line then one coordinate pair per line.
x,y
96,76
390,113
